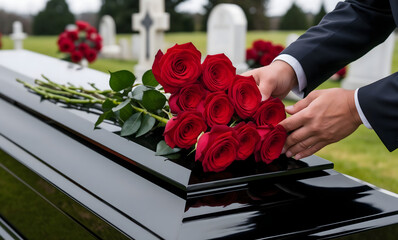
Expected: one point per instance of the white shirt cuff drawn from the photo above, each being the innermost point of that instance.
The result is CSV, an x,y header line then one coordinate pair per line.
x,y
298,69
359,109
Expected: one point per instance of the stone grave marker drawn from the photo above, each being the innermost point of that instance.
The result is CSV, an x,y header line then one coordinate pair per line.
x,y
135,46
374,65
17,35
227,26
107,30
151,22
125,51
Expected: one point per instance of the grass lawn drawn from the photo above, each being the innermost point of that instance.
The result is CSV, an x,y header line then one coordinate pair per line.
x,y
360,155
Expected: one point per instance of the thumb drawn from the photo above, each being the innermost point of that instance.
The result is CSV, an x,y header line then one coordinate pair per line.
x,y
265,91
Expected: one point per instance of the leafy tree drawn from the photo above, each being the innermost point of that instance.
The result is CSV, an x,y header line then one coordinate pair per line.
x,y
318,17
253,9
122,10
53,19
294,19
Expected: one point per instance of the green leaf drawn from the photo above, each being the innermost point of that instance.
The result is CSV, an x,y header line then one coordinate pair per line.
x,y
138,92
131,125
122,105
173,156
108,105
153,100
121,80
102,117
146,125
125,113
163,149
149,79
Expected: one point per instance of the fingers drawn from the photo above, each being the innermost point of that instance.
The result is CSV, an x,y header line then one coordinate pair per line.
x,y
293,122
309,151
300,105
301,146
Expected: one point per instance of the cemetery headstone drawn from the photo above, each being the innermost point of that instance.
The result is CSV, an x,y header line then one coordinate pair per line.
x,y
107,30
227,27
135,46
374,65
151,22
125,52
289,40
17,35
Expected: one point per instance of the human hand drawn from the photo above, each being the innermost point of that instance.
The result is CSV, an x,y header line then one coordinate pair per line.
x,y
323,117
276,79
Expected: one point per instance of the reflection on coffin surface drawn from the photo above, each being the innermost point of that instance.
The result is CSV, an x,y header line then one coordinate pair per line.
x,y
60,178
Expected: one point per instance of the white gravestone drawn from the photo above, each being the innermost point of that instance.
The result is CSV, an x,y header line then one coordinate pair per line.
x,y
135,46
226,33
151,22
373,66
107,30
125,52
289,40
17,35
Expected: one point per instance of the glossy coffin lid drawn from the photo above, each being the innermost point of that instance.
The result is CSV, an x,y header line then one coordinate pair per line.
x,y
183,174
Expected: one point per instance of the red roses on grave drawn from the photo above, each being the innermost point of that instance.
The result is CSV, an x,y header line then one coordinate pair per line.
x,y
217,110
79,43
262,53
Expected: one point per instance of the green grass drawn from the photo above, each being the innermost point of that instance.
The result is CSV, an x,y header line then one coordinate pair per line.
x,y
361,155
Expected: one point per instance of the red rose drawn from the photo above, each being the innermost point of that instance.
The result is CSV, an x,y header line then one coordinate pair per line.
x,y
218,109
217,149
82,25
341,73
183,130
245,96
90,55
271,111
267,59
251,54
218,72
72,35
98,45
270,146
90,31
189,98
262,46
66,45
178,67
62,37
76,56
248,138
278,49
83,47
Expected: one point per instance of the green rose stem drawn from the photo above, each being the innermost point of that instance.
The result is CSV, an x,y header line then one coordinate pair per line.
x,y
51,93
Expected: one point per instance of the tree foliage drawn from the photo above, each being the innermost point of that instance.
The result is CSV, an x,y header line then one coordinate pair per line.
x,y
294,19
53,19
253,9
318,17
122,10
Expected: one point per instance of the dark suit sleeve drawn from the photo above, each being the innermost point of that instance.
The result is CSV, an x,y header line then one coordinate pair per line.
x,y
343,35
379,103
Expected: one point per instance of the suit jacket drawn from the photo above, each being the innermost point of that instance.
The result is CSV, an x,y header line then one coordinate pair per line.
x,y
344,35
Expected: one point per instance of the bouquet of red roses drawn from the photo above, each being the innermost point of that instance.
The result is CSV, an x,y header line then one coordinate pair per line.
x,y
210,109
262,53
84,42
216,110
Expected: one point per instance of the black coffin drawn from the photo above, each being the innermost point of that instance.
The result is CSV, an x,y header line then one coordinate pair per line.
x,y
61,179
